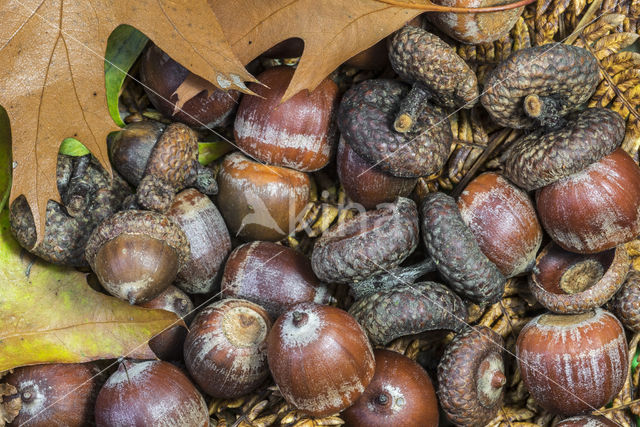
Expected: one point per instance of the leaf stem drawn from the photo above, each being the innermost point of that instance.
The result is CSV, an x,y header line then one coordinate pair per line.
x,y
428,6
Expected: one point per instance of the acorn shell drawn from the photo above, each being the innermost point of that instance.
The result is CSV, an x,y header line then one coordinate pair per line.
x,y
367,244
565,282
272,276
299,133
567,74
365,119
456,252
471,377
149,393
626,303
417,55
544,157
503,220
320,358
56,394
409,309
572,364
225,349
400,394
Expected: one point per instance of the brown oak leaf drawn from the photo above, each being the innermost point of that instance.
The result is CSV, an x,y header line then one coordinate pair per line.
x,y
52,74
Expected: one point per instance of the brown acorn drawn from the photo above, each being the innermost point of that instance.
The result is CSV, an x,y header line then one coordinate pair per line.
x,y
150,393
298,133
260,202
504,222
225,350
56,394
272,276
573,364
137,254
320,358
181,95
208,238
167,345
400,394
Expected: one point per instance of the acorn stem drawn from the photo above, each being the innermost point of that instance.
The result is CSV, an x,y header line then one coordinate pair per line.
x,y
410,107
299,318
498,380
544,109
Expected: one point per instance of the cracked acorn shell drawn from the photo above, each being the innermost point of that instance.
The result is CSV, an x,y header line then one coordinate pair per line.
x,y
400,394
272,276
369,243
471,377
365,119
409,309
595,209
504,222
225,349
626,303
568,283
457,254
558,77
299,133
573,364
61,394
137,254
543,157
320,358
419,56
150,393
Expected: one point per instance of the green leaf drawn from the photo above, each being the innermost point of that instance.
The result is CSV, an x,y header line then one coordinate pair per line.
x,y
5,158
73,147
210,151
49,314
123,48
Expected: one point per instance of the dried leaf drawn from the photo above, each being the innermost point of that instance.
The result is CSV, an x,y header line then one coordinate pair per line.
x,y
333,31
50,314
5,158
613,43
603,26
52,74
9,406
621,61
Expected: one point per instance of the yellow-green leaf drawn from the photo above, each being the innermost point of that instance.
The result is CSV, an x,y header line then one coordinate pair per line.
x,y
50,314
73,147
209,151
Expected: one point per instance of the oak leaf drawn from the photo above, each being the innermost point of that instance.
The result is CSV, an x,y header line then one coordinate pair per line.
x,y
52,74
50,314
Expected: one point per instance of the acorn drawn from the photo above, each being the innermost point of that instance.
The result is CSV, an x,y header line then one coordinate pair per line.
x,y
537,86
208,238
148,393
565,282
475,28
56,394
471,377
573,364
320,358
369,243
298,133
503,220
365,119
225,349
137,254
167,345
260,202
400,394
182,96
272,276
365,183
456,252
160,161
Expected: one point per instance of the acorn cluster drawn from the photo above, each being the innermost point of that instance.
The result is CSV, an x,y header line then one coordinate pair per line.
x,y
213,244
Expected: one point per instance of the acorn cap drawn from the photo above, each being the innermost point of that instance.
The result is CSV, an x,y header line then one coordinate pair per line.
x,y
569,283
369,243
565,75
365,119
627,300
542,158
409,309
417,55
471,377
147,223
457,254
174,155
